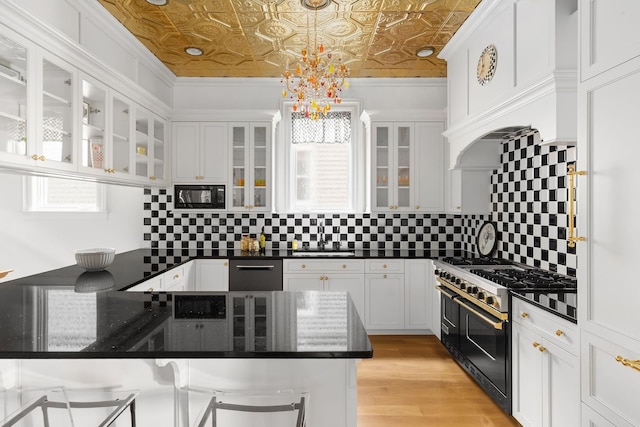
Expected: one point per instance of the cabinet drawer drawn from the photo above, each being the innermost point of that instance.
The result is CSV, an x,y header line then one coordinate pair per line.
x,y
384,266
608,386
323,266
553,328
173,276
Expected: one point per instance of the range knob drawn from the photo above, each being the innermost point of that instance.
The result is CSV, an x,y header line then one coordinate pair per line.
x,y
490,300
463,285
481,295
458,281
472,289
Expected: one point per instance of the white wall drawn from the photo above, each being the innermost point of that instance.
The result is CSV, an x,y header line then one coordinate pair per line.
x,y
32,243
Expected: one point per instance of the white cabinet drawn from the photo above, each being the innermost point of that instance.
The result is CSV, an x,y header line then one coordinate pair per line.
x,y
392,175
154,284
173,280
407,166
469,191
607,203
250,175
418,291
200,335
15,140
609,35
200,153
327,275
385,294
545,368
151,147
211,275
429,169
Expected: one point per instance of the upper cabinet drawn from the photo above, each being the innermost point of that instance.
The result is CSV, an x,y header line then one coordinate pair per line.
x,y
14,57
250,175
200,153
57,118
407,166
602,43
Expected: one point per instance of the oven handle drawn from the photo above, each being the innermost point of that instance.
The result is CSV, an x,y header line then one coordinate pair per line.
x,y
496,325
446,294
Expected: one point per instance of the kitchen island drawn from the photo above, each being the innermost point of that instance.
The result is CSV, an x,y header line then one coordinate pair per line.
x,y
53,332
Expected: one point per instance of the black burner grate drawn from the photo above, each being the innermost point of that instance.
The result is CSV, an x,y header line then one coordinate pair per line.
x,y
527,279
476,261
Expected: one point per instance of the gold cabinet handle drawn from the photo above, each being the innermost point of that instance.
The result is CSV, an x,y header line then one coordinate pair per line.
x,y
559,333
524,315
150,290
384,265
303,266
536,344
572,238
458,207
633,364
417,207
321,277
34,157
542,349
326,277
344,265
225,264
152,178
385,276
176,276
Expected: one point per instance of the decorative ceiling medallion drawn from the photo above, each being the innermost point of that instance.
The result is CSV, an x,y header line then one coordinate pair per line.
x,y
487,64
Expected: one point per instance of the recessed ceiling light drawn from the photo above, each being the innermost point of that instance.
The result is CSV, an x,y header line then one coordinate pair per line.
x,y
193,51
315,4
424,52
157,2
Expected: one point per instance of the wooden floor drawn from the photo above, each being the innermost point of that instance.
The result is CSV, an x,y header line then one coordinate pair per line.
x,y
413,381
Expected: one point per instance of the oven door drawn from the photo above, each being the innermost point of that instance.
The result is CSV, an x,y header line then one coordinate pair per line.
x,y
483,340
449,320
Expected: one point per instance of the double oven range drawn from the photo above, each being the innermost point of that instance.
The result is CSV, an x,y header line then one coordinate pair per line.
x,y
474,314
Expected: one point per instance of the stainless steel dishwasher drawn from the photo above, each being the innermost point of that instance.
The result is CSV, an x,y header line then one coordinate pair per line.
x,y
255,275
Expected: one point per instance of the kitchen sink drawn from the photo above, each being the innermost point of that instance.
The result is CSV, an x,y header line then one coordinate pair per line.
x,y
328,253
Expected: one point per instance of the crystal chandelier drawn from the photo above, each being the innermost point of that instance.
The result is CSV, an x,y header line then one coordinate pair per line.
x,y
317,81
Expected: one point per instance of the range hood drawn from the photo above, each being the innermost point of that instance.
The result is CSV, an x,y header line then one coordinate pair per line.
x,y
534,87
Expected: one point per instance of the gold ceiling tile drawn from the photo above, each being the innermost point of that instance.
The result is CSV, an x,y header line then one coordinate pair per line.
x,y
253,38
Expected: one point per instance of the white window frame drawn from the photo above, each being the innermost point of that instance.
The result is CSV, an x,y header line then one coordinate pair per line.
x,y
284,173
33,202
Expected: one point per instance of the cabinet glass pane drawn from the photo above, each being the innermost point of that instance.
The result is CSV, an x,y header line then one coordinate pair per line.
x,y
57,115
403,157
13,98
93,149
260,166
158,148
121,134
142,143
383,198
239,164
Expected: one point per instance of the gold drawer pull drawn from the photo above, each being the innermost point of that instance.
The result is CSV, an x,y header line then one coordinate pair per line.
x,y
303,266
524,315
633,364
542,349
536,344
225,264
344,265
559,333
177,276
384,265
385,276
321,277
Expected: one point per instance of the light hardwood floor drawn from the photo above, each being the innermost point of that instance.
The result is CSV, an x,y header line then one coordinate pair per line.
x,y
413,381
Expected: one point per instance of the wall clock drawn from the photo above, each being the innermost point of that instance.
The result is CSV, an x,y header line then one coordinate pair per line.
x,y
487,64
487,239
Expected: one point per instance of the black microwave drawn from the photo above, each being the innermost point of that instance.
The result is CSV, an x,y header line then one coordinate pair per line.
x,y
199,196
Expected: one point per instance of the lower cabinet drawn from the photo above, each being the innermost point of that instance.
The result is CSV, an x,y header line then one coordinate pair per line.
x,y
384,300
200,334
250,322
611,379
211,275
545,368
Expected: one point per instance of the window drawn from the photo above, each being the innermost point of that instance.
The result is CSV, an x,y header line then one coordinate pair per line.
x,y
322,154
45,194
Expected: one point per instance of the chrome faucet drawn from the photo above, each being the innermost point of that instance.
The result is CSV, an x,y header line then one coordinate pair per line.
x,y
321,242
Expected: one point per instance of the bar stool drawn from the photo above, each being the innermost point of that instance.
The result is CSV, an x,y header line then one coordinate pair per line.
x,y
244,409
23,405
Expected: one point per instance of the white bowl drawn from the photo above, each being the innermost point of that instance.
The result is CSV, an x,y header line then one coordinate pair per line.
x,y
95,259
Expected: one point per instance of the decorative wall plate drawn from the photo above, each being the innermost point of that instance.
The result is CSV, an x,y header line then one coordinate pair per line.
x,y
487,239
487,64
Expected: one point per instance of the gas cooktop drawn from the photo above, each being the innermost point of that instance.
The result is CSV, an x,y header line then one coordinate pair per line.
x,y
531,278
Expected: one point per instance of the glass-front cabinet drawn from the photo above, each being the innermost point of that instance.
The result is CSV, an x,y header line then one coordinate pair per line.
x,y
150,146
250,171
391,156
121,125
250,327
13,100
93,144
55,142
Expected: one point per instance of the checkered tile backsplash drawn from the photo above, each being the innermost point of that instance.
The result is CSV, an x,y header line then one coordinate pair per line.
x,y
528,204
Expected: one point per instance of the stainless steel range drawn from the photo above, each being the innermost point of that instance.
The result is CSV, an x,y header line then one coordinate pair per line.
x,y
475,314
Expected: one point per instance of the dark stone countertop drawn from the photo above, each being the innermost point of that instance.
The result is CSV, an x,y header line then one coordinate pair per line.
x,y
560,303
